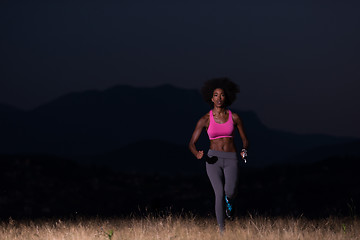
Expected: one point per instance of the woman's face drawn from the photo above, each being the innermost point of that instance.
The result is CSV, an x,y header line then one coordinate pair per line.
x,y
218,97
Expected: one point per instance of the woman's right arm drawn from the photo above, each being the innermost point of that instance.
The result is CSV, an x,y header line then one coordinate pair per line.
x,y
201,124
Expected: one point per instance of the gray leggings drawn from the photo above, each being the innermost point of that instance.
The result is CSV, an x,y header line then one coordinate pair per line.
x,y
223,176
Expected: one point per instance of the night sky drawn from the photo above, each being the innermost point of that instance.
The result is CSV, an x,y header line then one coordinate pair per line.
x,y
297,62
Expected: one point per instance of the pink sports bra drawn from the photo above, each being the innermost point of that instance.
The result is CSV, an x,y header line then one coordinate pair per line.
x,y
220,130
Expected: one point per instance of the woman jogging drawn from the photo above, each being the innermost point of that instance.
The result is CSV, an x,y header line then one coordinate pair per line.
x,y
221,159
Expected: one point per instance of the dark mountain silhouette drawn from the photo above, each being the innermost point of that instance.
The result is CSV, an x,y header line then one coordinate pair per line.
x,y
8,109
125,123
350,149
146,156
46,186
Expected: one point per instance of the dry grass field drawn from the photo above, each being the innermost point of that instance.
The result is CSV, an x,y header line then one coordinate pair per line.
x,y
183,227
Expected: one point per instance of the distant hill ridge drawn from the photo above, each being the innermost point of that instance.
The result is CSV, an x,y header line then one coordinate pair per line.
x,y
102,122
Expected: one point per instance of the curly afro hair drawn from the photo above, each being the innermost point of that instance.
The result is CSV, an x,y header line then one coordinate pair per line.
x,y
230,88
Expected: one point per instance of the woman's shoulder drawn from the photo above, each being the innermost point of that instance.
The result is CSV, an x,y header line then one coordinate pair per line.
x,y
206,116
233,113
235,117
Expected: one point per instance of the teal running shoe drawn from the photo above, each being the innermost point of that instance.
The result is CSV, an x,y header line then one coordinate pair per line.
x,y
229,208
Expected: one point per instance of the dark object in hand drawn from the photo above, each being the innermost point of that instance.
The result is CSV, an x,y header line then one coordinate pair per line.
x,y
210,160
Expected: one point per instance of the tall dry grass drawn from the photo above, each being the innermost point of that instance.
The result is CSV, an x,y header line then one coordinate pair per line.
x,y
170,227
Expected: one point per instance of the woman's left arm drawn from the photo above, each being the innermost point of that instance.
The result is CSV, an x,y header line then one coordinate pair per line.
x,y
238,122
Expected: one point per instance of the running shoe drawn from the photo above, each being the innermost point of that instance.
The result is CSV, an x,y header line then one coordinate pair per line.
x,y
229,208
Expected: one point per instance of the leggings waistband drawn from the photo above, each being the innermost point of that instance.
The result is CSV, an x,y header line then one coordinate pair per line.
x,y
221,154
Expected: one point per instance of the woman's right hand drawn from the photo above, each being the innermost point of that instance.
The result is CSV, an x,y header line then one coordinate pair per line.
x,y
200,154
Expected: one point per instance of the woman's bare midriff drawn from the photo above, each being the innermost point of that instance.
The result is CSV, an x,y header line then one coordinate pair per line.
x,y
223,144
